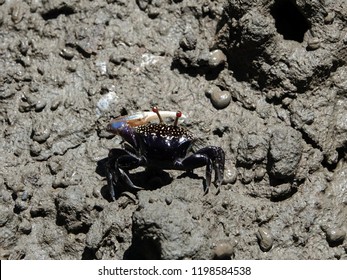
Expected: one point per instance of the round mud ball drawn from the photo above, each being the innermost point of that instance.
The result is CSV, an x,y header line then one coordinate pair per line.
x,y
265,239
220,98
216,58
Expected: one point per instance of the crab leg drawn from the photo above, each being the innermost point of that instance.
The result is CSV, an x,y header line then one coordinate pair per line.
x,y
213,158
119,162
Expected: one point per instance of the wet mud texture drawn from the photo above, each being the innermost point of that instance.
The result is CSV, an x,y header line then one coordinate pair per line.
x,y
265,80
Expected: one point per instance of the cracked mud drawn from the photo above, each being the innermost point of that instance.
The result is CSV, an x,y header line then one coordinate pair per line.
x,y
264,80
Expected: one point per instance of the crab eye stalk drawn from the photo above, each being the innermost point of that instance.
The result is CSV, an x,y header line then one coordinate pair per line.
x,y
156,110
178,115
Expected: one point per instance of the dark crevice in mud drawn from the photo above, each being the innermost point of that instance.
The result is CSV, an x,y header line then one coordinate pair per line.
x,y
341,155
16,209
54,13
308,140
83,52
335,243
277,101
88,254
240,61
143,249
220,131
289,20
38,213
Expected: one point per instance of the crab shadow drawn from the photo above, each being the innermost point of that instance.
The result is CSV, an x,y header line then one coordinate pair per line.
x,y
148,179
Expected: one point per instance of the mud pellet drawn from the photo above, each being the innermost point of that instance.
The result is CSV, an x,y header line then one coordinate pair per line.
x,y
67,54
35,149
230,176
41,135
25,226
265,239
55,104
23,47
216,58
224,250
72,67
329,17
260,173
168,200
40,105
25,196
313,44
335,236
220,99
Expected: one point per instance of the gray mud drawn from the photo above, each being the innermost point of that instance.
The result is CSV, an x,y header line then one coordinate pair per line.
x,y
265,80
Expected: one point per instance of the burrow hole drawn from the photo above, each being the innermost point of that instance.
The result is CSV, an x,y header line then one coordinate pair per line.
x,y
289,21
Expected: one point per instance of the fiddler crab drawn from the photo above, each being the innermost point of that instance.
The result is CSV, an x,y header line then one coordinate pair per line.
x,y
158,146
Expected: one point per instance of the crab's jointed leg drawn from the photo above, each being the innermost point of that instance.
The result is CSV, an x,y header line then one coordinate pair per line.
x,y
212,157
120,161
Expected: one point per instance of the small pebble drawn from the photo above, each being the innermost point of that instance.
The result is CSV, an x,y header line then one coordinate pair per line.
x,y
224,250
335,236
216,58
72,67
40,105
313,43
55,104
23,47
329,18
230,176
35,149
25,196
265,239
220,99
25,226
41,134
168,200
260,173
67,54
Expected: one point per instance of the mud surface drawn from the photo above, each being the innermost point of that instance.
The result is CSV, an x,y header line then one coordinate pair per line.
x,y
265,80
